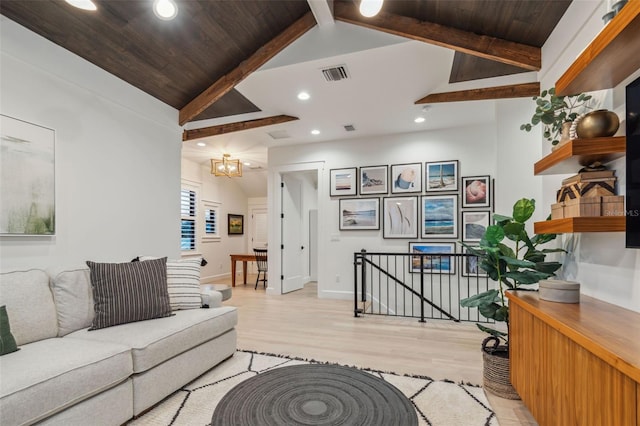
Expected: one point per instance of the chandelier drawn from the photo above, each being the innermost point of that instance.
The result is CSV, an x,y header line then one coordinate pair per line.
x,y
226,166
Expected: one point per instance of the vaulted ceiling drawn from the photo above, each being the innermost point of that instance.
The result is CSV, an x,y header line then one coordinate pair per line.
x,y
207,61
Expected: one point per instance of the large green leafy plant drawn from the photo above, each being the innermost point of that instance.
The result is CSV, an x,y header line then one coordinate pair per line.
x,y
552,111
521,263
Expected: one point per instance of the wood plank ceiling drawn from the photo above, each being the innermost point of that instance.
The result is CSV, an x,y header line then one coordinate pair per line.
x,y
193,62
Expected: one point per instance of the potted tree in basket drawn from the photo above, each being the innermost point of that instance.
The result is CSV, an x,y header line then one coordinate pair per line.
x,y
511,267
557,113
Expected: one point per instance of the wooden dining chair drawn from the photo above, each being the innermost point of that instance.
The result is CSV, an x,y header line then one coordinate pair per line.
x,y
261,260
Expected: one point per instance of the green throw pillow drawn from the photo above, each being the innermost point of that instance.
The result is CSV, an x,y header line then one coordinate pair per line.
x,y
7,341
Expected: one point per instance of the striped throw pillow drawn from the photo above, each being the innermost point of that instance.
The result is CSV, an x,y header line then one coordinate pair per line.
x,y
128,292
183,281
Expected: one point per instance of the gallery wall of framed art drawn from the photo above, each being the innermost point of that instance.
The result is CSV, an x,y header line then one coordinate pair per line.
x,y
426,200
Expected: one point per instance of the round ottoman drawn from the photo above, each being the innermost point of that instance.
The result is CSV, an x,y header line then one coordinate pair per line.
x,y
222,288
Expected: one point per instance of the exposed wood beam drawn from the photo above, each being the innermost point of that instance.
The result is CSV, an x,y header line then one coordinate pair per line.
x,y
189,135
246,67
499,92
496,49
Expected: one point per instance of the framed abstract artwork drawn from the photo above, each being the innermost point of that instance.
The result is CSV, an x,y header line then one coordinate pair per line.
x,y
474,224
359,214
471,265
373,180
441,176
439,216
476,191
27,178
406,178
400,217
436,259
343,181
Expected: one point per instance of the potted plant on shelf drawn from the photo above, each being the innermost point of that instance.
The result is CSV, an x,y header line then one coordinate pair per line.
x,y
511,267
557,113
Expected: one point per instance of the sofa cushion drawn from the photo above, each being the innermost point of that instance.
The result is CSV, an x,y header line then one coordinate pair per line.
x,y
29,304
33,387
158,340
128,292
7,341
183,282
74,299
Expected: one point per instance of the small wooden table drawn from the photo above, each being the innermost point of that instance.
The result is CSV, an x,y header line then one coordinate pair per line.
x,y
244,258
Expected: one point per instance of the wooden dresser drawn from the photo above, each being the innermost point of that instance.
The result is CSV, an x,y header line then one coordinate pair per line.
x,y
575,364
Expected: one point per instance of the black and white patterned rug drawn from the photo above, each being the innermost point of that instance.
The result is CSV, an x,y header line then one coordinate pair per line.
x,y
435,402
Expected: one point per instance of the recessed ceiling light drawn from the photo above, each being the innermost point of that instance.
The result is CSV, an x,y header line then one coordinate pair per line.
x,y
246,163
165,9
201,144
370,8
303,96
419,120
82,4
315,132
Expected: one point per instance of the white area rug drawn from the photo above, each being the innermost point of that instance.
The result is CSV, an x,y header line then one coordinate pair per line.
x,y
437,403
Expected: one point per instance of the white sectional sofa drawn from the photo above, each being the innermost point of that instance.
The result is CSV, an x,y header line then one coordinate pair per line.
x,y
64,374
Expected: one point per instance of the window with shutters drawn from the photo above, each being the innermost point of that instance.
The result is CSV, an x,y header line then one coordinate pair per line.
x,y
188,219
211,221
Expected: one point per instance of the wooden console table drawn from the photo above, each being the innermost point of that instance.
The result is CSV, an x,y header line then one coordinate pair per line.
x,y
244,258
575,364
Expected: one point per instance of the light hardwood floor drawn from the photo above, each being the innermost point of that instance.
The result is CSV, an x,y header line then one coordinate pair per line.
x,y
302,325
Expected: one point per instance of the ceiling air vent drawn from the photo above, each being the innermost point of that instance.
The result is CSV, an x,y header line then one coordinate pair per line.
x,y
279,134
336,73
349,127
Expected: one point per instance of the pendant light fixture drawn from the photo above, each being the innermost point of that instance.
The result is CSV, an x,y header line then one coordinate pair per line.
x,y
226,167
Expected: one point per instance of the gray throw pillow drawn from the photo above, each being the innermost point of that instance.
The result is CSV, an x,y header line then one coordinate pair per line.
x,y
7,342
128,292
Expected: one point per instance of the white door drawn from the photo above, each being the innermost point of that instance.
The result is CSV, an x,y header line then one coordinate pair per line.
x,y
258,228
291,234
313,245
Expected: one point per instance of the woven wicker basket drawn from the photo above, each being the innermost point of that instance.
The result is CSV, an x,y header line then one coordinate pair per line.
x,y
496,369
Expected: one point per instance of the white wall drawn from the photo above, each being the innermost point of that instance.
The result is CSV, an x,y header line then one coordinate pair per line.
x,y
474,147
117,154
233,200
598,261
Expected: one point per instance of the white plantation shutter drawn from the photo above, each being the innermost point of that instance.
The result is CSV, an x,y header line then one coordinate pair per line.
x,y
188,220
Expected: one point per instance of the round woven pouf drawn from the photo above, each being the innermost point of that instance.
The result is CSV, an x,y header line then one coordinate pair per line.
x,y
314,394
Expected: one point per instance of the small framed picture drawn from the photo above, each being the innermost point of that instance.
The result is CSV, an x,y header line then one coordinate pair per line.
x,y
406,178
476,191
235,224
343,181
359,214
373,180
474,224
471,265
441,176
400,217
438,261
439,216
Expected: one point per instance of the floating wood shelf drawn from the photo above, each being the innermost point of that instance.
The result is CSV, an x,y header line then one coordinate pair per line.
x,y
610,58
577,153
581,224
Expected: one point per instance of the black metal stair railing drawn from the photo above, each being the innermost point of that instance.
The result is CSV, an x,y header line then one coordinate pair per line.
x,y
418,285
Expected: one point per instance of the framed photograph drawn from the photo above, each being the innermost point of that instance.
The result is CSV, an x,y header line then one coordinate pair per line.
x,y
439,216
471,265
373,180
400,217
474,224
359,214
476,191
439,261
406,178
235,224
441,176
343,181
27,178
